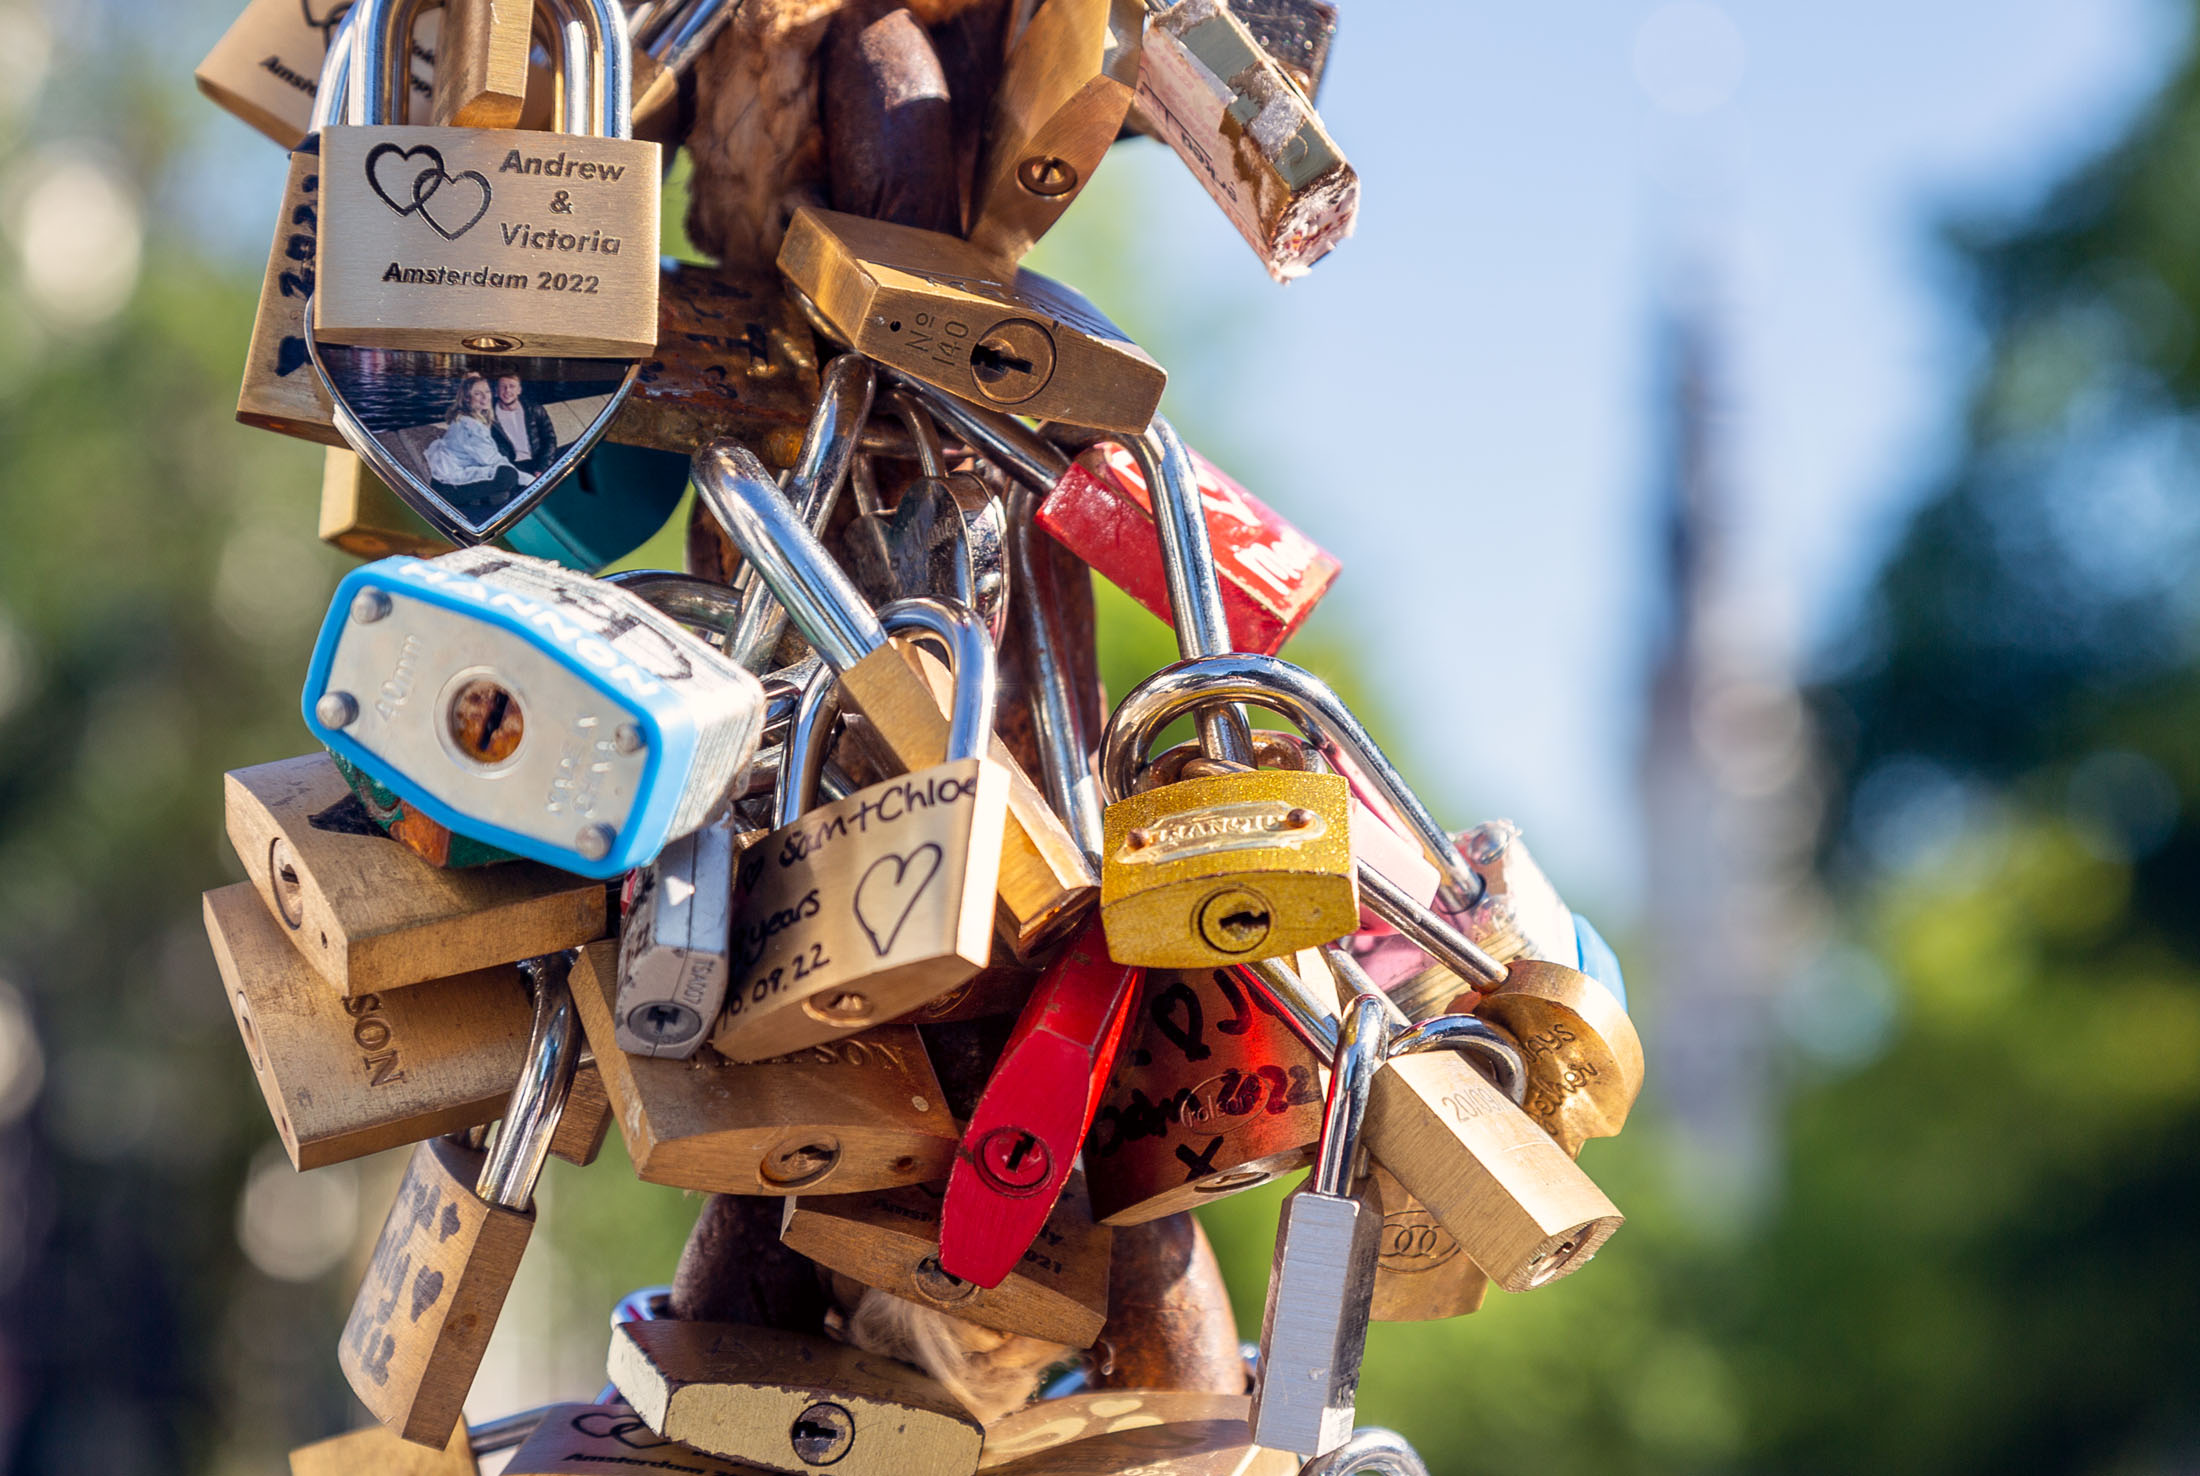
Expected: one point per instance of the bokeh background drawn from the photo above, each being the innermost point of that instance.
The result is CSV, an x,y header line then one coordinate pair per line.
x,y
1760,441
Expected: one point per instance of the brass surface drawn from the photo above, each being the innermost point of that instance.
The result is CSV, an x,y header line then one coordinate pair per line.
x,y
1228,869
481,71
890,1239
364,518
943,311
1421,1274
1053,1423
1212,1095
370,915
864,909
279,391
586,1120
374,1451
862,1113
1516,1203
1584,1058
1061,102
1045,882
1193,1447
347,1077
556,264
746,1393
607,1440
267,65
432,1294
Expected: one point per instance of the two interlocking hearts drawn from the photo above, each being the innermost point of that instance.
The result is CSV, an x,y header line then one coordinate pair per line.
x,y
387,164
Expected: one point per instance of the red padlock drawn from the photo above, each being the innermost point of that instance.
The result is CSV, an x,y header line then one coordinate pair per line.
x,y
1272,574
1032,1119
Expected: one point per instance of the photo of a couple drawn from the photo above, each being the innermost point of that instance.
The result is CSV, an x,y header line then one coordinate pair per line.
x,y
494,441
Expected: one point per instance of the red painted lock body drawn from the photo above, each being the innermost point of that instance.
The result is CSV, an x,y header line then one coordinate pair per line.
x,y
1033,1116
1272,575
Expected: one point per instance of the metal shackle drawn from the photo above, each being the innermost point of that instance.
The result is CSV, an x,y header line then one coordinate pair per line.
x,y
817,595
1363,1044
1463,1033
514,1164
802,751
970,655
700,604
1372,1451
595,54
1294,692
334,87
1188,566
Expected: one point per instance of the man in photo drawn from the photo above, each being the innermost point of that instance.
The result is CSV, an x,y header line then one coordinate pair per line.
x,y
523,430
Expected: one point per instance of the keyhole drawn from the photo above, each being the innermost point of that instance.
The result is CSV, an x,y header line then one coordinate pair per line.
x,y
486,721
1013,1161
993,361
290,891
1235,921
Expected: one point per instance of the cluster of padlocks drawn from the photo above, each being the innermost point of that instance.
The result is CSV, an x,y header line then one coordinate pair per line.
x,y
823,868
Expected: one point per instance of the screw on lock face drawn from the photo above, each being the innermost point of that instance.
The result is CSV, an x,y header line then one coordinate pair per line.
x,y
821,1434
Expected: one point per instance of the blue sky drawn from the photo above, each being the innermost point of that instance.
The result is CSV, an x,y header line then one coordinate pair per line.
x,y
1458,401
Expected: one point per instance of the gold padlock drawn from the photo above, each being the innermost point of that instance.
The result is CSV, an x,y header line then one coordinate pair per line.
x,y
374,1451
1212,1095
866,1112
852,915
1050,1424
945,312
890,1239
1583,1056
788,1402
368,914
1211,1441
364,518
489,240
266,67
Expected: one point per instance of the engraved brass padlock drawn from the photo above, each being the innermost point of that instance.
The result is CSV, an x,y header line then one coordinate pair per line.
x,y
1584,1059
266,67
785,1402
1058,1289
941,310
453,1241
854,914
606,1439
484,239
862,1113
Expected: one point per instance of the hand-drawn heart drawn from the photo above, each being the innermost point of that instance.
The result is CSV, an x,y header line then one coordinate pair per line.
x,y
427,1286
880,897
407,179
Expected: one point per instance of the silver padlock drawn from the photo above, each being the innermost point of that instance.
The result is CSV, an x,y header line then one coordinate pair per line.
x,y
1370,1452
1314,1327
673,962
520,703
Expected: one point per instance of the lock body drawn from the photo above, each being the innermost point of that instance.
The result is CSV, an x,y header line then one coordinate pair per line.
x,y
864,909
1193,1446
265,67
374,1451
432,1294
1057,1290
1421,1274
606,1439
782,1401
367,913
857,1114
1229,869
487,240
1314,1329
1584,1059
943,311
674,947
1040,1428
529,707
1270,574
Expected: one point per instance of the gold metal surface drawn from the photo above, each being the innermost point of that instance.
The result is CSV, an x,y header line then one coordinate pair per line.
x,y
1060,104
941,310
374,1451
1052,1423
1211,1095
543,243
856,1114
370,915
481,73
1196,1447
863,909
347,1077
891,1239
432,1294
364,518
1584,1058
607,1440
1228,869
267,65
1421,1275
750,1394
279,391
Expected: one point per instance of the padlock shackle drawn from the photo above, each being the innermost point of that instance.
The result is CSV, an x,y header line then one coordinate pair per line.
x,y
700,604
970,655
1470,1036
514,1164
1057,717
1000,438
334,87
1363,1040
1188,566
923,431
1427,929
802,751
676,32
1372,1451
816,594
1294,692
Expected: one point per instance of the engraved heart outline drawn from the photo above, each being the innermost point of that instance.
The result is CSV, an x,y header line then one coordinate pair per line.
x,y
426,185
443,515
897,887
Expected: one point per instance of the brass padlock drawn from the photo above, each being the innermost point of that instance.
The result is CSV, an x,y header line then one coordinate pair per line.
x,y
1063,94
454,1237
368,914
374,1451
941,310
862,1113
1212,1094
1584,1059
1047,1425
266,68
890,1239
345,1077
606,1439
483,239
854,914
1211,1442
481,76
786,1402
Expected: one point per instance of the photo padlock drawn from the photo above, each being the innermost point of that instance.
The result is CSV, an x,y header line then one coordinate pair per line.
x,y
562,718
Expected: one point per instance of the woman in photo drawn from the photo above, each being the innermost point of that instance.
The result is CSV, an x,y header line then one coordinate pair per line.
x,y
464,462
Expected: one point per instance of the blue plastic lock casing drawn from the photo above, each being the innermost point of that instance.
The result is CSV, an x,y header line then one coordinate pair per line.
x,y
1598,960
